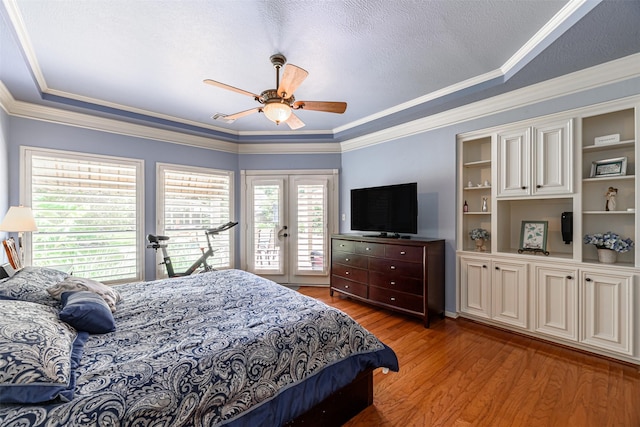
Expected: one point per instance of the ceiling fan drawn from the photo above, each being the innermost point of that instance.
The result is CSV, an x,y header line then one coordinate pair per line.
x,y
278,104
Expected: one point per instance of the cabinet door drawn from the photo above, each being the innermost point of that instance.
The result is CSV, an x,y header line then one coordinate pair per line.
x,y
514,165
553,159
606,301
474,286
556,302
509,293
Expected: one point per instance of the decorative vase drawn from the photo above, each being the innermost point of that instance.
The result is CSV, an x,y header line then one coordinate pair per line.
x,y
480,245
607,256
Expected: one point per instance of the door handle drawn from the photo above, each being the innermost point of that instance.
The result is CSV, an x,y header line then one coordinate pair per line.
x,y
281,234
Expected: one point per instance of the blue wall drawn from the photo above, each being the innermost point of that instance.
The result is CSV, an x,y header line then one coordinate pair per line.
x,y
429,158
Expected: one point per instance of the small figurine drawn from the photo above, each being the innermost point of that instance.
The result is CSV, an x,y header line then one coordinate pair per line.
x,y
611,194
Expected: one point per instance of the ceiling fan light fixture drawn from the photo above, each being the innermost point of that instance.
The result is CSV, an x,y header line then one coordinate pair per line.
x,y
277,111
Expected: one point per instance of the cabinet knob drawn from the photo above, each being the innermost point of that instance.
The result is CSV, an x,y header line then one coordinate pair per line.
x,y
392,282
342,245
523,187
346,286
497,268
346,273
347,259
588,279
484,266
393,267
392,298
403,253
367,249
569,277
538,186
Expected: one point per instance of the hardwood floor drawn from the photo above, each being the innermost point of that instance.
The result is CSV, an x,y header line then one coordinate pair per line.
x,y
461,373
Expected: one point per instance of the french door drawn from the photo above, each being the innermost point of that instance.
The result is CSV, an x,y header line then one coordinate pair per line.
x,y
289,217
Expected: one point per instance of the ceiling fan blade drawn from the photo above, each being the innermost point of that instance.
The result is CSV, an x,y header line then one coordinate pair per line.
x,y
294,122
329,107
242,113
231,88
292,77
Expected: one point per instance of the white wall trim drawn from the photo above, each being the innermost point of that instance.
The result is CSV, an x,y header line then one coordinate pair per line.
x,y
590,78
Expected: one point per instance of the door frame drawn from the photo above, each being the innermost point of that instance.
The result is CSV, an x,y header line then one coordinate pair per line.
x,y
332,214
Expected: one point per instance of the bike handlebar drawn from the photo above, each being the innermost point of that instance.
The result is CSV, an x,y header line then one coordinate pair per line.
x,y
220,229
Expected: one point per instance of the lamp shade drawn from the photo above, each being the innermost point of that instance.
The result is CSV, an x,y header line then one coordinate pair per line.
x,y
18,219
277,111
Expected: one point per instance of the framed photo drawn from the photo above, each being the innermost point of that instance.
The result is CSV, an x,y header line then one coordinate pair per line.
x,y
12,253
533,236
609,167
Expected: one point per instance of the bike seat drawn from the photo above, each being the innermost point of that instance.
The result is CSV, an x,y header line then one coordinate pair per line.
x,y
152,238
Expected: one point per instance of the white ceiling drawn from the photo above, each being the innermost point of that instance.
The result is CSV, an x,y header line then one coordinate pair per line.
x,y
146,60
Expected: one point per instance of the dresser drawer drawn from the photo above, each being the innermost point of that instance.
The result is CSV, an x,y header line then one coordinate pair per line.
x,y
395,283
396,299
396,268
351,273
343,245
371,249
403,253
349,286
351,259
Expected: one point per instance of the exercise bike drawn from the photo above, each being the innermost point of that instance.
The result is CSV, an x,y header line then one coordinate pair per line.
x,y
160,242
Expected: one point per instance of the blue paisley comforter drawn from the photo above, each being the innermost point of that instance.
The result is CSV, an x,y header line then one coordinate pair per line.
x,y
218,348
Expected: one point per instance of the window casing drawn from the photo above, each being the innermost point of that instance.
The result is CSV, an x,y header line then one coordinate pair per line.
x,y
189,201
89,213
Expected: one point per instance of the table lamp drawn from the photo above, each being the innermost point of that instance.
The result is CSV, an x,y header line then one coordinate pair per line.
x,y
19,219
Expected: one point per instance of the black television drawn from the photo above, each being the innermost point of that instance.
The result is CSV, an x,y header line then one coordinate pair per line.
x,y
388,210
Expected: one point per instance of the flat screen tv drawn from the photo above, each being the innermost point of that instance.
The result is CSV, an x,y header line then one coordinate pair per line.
x,y
388,209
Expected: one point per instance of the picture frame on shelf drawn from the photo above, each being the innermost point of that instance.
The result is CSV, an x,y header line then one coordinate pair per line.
x,y
609,167
533,236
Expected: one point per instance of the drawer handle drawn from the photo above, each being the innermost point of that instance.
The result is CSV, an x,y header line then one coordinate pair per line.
x,y
403,253
393,298
392,283
393,267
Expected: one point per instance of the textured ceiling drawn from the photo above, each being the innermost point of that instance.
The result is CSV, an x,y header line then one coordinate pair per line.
x,y
146,60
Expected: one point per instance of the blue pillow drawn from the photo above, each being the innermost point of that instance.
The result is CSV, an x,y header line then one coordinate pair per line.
x,y
43,353
87,311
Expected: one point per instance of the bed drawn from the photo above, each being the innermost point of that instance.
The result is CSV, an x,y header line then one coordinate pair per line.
x,y
218,348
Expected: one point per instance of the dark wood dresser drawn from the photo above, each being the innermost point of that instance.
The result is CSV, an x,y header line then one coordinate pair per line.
x,y
404,275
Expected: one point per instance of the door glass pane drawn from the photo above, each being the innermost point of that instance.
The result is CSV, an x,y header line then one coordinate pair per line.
x,y
311,226
266,202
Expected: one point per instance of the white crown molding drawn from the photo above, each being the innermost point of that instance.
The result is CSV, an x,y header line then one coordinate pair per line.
x,y
590,78
87,121
292,148
601,75
571,12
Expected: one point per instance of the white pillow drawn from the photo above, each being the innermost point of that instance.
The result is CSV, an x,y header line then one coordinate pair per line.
x,y
72,283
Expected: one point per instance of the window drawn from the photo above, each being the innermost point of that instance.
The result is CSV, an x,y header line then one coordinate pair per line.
x,y
88,209
191,200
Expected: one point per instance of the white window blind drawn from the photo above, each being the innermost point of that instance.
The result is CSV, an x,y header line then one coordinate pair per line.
x,y
312,220
190,201
87,209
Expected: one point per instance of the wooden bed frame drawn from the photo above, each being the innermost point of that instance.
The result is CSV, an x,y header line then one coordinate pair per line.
x,y
341,406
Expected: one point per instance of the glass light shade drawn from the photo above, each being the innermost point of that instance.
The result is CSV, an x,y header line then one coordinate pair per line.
x,y
18,218
277,112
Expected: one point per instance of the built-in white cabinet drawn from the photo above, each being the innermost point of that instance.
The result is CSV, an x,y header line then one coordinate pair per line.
x,y
544,171
536,160
475,295
509,299
556,301
607,307
495,290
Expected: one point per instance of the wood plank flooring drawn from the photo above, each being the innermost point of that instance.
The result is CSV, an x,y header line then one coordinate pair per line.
x,y
461,373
